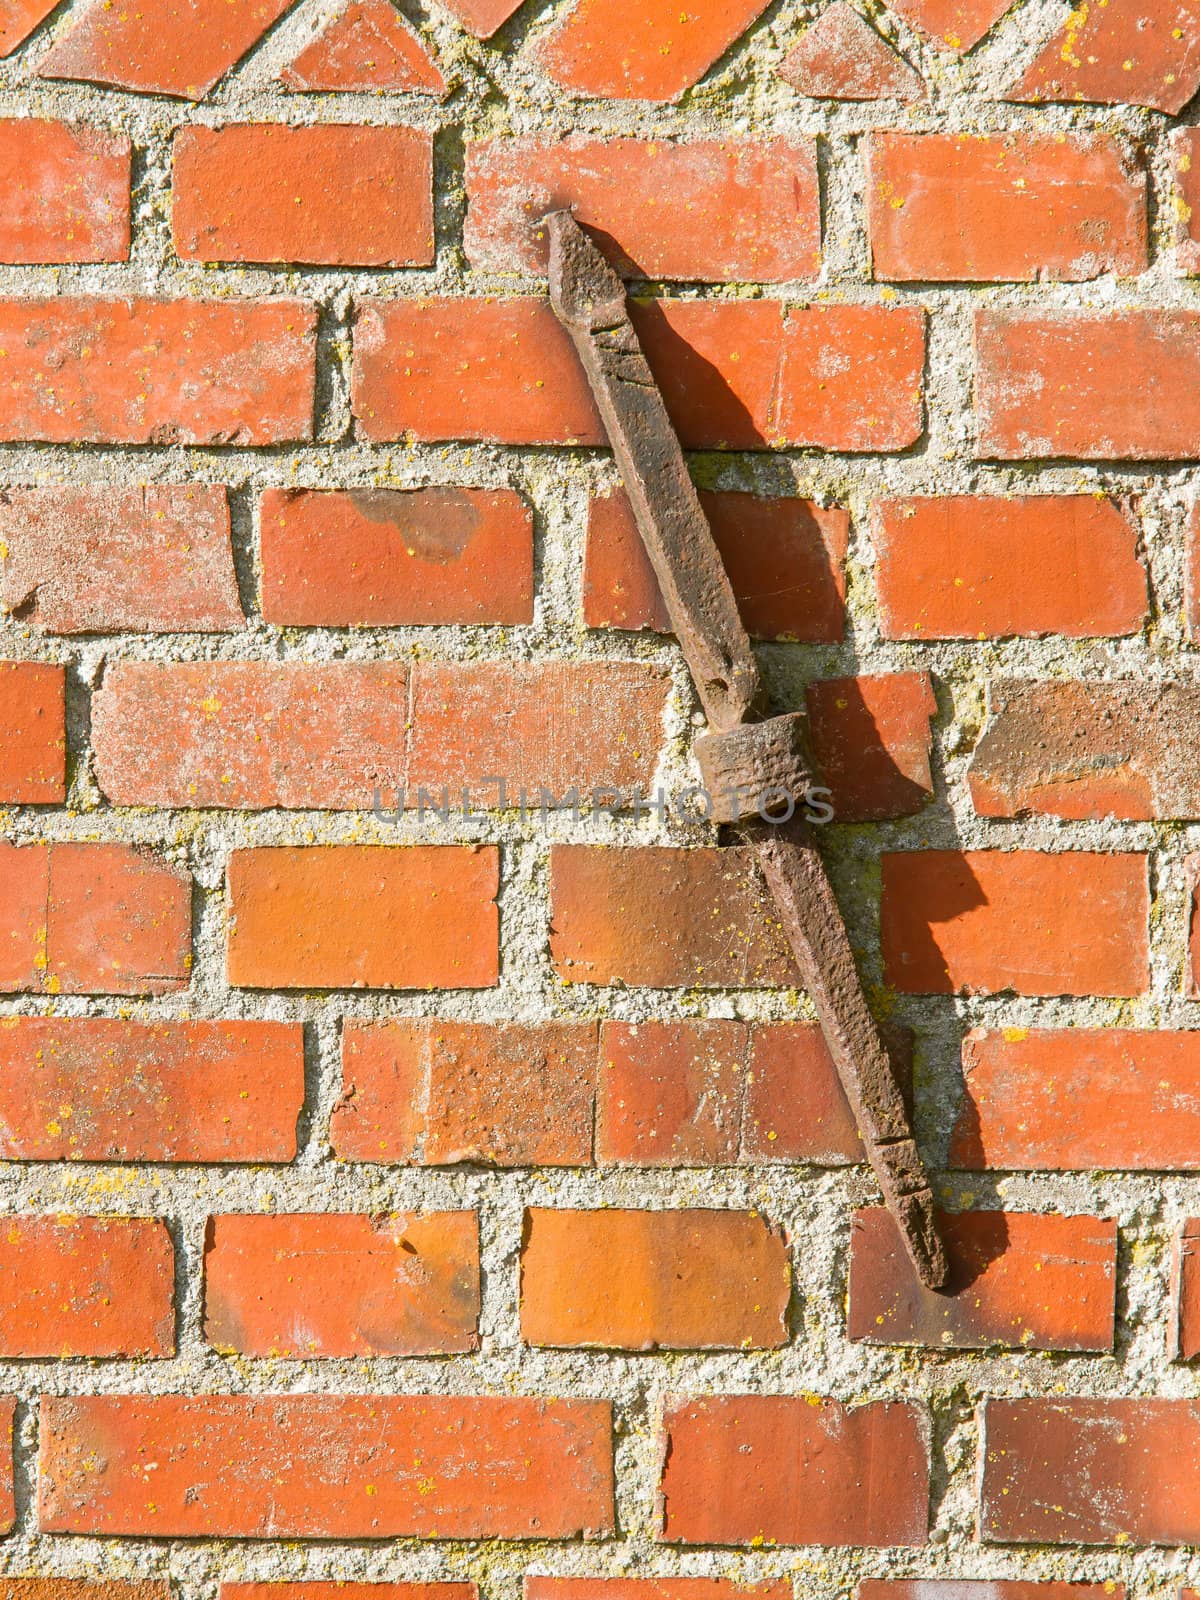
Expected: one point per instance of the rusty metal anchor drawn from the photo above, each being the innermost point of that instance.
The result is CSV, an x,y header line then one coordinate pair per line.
x,y
747,753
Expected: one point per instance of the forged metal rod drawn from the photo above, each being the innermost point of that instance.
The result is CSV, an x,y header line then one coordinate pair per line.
x,y
589,300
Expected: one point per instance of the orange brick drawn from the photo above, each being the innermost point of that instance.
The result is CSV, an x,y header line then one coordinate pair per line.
x,y
365,46
357,916
435,1092
86,1286
990,920
325,194
671,1093
871,741
370,556
8,1505
18,20
1142,51
841,57
66,192
33,735
342,1285
701,210
489,1467
648,1280
957,23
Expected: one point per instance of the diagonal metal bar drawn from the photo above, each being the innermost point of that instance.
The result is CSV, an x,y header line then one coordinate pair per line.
x,y
589,300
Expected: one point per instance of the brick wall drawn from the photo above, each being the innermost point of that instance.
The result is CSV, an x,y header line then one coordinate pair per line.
x,y
466,1209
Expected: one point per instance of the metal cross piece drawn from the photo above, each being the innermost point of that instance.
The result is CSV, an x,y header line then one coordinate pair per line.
x,y
746,753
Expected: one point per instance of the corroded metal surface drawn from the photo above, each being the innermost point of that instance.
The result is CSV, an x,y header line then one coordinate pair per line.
x,y
589,300
757,766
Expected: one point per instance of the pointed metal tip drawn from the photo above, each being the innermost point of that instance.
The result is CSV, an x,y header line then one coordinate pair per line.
x,y
584,290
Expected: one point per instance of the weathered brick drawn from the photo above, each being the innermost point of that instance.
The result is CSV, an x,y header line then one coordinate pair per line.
x,y
1085,750
950,207
245,734
65,192
1184,1339
649,1280
790,1469
603,49
785,559
743,375
92,919
86,1286
553,726
153,560
623,1588
18,19
957,23
664,917
366,46
106,1089
8,1505
1120,385
978,567
200,372
363,557
704,210
1090,1472
487,1467
83,1589
482,17
841,57
361,916
436,1092
1074,1099
1017,1280
984,921
326,194
342,1285
339,1589
33,735
795,1109
160,49
871,741
1142,51
984,1589
1185,171
671,1093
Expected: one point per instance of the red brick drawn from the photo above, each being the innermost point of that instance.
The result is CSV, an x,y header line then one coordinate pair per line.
x,y
841,57
650,1280
8,1505
540,725
1192,576
33,735
250,734
342,1285
82,1589
743,375
201,372
1144,52
785,559
1088,750
325,194
703,210
86,1286
160,48
365,47
1074,1099
985,921
363,557
1123,385
1090,1472
108,560
623,1588
976,567
984,1589
482,17
92,919
66,192
957,23
664,917
18,19
1185,168
795,1109
949,207
363,916
1184,1338
434,1092
105,1089
871,740
791,1469
325,1466
671,1093
604,50
338,1589
1017,1281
